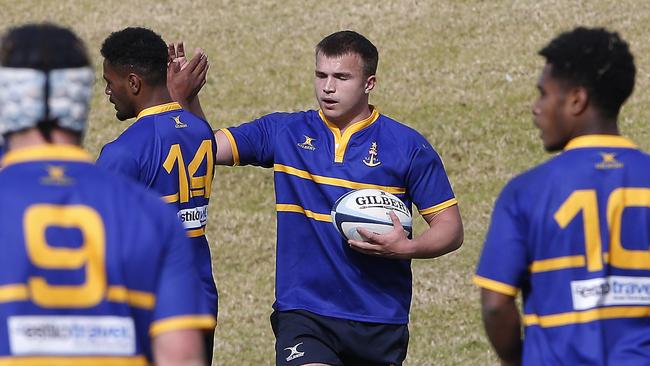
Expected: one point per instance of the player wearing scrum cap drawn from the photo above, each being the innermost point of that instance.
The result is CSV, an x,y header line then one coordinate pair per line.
x,y
341,302
94,269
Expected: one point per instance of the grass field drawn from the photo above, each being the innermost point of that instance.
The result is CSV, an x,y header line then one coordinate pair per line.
x,y
461,72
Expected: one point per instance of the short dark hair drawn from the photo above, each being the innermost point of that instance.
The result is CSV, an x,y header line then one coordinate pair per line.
x,y
43,47
140,49
596,59
350,42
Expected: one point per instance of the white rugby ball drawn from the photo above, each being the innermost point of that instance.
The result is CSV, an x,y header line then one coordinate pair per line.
x,y
368,209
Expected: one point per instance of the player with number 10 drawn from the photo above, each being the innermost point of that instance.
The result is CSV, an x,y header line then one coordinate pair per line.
x,y
572,234
95,270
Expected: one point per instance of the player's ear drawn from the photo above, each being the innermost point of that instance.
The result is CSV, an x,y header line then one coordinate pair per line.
x,y
578,100
135,83
370,83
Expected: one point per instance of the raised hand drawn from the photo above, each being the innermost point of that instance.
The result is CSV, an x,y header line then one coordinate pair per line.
x,y
176,53
185,78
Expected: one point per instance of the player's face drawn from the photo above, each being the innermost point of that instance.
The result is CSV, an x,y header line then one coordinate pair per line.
x,y
342,89
118,93
550,111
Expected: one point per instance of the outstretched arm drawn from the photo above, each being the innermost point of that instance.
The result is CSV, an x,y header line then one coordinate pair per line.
x,y
502,325
444,235
186,78
224,149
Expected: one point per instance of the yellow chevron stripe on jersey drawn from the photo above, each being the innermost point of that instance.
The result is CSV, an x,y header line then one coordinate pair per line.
x,y
182,322
10,293
496,286
341,140
135,298
158,109
283,207
600,141
120,294
334,181
46,152
554,264
73,361
439,207
576,317
233,146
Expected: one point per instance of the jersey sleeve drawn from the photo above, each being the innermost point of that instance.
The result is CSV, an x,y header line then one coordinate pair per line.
x,y
503,264
254,142
180,300
116,158
427,181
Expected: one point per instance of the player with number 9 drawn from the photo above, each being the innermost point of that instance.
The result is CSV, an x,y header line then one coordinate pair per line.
x,y
94,269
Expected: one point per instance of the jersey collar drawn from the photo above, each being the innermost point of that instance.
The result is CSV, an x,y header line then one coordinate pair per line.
x,y
46,152
600,141
158,109
341,140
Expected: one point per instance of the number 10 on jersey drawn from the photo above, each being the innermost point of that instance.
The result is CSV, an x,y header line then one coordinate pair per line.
x,y
585,201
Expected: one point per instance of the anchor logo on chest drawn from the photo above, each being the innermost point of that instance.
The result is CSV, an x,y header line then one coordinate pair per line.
x,y
372,160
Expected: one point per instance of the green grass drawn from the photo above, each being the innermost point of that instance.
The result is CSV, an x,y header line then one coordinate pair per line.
x,y
442,70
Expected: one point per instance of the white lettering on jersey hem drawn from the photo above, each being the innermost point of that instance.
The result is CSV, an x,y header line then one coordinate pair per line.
x,y
71,335
194,218
612,290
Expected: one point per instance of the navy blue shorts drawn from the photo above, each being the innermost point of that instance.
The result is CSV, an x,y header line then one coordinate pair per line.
x,y
303,337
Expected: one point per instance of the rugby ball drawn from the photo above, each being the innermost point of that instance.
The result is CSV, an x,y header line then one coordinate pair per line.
x,y
368,209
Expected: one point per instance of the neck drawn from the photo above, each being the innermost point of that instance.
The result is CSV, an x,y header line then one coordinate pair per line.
x,y
595,124
33,137
157,96
348,120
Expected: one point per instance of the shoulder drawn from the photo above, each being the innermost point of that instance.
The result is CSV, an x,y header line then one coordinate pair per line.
x,y
402,133
193,119
277,121
530,183
290,117
132,136
138,202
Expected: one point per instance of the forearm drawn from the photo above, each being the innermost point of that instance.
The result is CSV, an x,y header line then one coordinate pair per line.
x,y
193,105
503,327
444,235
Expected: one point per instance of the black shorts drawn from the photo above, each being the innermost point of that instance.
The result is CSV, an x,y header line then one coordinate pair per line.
x,y
303,337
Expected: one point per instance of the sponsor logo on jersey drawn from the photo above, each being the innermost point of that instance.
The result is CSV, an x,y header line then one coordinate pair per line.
x,y
612,290
177,121
71,335
371,160
294,352
56,175
383,201
609,161
307,144
194,218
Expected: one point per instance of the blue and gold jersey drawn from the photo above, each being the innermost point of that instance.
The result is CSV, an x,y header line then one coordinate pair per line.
x,y
314,164
572,235
92,265
171,151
